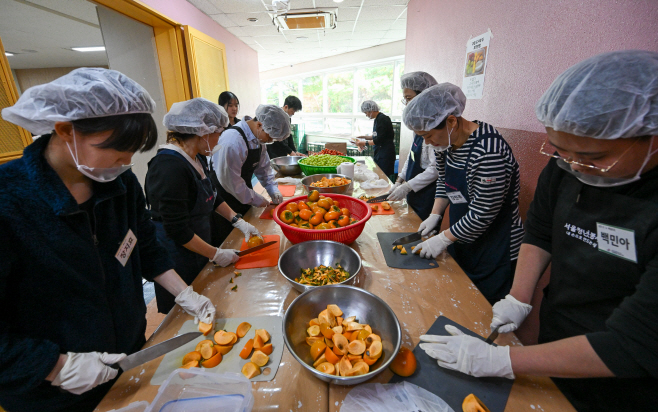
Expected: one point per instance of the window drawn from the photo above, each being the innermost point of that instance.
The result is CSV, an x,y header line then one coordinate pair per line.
x,y
376,83
340,92
332,98
313,95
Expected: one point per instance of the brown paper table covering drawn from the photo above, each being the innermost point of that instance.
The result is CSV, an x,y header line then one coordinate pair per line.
x,y
417,297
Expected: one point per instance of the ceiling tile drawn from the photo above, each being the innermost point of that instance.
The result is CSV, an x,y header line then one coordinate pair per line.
x,y
241,18
401,24
205,6
396,34
336,36
238,31
237,6
348,13
367,35
364,42
343,26
373,25
331,3
223,20
385,2
381,13
261,31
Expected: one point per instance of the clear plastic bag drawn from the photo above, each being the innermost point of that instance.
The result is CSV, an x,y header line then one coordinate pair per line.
x,y
375,184
363,174
289,181
399,397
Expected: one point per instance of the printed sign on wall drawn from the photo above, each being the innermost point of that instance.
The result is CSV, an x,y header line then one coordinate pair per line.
x,y
477,50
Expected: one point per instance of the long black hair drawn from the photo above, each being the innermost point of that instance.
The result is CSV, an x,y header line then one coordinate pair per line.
x,y
226,97
130,132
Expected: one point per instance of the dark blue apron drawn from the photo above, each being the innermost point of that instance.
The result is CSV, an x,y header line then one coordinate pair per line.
x,y
384,155
187,263
248,168
486,261
423,200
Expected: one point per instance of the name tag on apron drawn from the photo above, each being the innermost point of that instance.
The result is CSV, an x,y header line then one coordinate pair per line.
x,y
616,241
413,157
126,248
456,197
374,134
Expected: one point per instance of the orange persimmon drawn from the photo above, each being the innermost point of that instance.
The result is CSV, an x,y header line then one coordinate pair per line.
x,y
246,351
404,363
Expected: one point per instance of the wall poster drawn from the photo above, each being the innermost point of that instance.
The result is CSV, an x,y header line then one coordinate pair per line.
x,y
477,51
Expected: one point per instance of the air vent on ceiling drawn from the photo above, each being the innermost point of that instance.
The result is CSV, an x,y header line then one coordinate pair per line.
x,y
305,19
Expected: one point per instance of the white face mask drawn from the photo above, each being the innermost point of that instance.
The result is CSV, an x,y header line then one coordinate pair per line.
x,y
99,174
443,148
213,150
603,181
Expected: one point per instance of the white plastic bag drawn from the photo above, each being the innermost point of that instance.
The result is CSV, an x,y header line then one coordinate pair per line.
x,y
375,184
289,181
398,397
363,174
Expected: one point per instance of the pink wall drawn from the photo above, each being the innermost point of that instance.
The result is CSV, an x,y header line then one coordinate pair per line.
x,y
533,41
242,60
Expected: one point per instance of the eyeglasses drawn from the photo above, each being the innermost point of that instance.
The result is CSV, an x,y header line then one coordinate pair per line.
x,y
545,151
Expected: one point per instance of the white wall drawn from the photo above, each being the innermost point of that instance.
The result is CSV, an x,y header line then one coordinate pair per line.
x,y
130,47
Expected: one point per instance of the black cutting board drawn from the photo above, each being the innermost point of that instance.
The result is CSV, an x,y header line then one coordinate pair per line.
x,y
396,260
453,386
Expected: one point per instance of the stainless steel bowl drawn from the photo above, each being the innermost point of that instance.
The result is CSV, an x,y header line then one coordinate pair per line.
x,y
353,301
287,165
315,253
342,190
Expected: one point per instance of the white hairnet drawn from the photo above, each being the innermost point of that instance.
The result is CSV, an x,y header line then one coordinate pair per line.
x,y
82,94
198,116
275,121
417,81
369,106
609,96
427,110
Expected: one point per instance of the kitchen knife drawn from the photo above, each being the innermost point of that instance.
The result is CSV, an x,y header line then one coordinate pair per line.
x,y
155,351
493,336
378,199
412,238
255,248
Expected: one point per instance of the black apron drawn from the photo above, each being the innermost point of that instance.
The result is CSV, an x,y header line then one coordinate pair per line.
x,y
587,285
423,200
384,155
486,260
187,263
248,168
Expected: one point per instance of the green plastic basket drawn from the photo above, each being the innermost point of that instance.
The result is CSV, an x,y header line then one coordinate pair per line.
x,y
315,170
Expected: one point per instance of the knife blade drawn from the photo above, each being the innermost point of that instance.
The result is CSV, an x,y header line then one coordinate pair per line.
x,y
412,238
155,351
255,248
378,199
493,336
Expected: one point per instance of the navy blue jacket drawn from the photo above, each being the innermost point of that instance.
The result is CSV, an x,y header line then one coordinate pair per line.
x,y
60,291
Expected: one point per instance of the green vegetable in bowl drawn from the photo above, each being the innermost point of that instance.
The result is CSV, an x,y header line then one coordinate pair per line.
x,y
323,160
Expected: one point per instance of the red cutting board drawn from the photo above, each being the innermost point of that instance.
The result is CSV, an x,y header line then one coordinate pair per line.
x,y
381,211
287,190
267,214
264,258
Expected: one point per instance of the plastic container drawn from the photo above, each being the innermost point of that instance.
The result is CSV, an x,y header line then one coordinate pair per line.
x,y
348,234
315,170
195,390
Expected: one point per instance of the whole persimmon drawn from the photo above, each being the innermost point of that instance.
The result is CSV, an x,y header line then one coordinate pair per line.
x,y
255,241
404,363
314,196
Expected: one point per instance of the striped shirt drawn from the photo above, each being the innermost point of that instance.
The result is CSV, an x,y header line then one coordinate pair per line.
x,y
489,174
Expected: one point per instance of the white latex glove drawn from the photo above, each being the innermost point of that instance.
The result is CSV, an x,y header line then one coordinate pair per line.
x,y
429,224
259,201
400,193
247,229
468,355
84,371
275,195
224,257
197,305
509,314
395,186
432,247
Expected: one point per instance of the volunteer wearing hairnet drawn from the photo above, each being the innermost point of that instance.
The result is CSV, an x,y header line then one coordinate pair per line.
x,y
594,218
286,147
181,195
242,154
77,241
417,179
479,178
383,138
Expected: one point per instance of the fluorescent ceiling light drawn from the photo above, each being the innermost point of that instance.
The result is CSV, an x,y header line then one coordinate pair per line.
x,y
88,49
9,54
